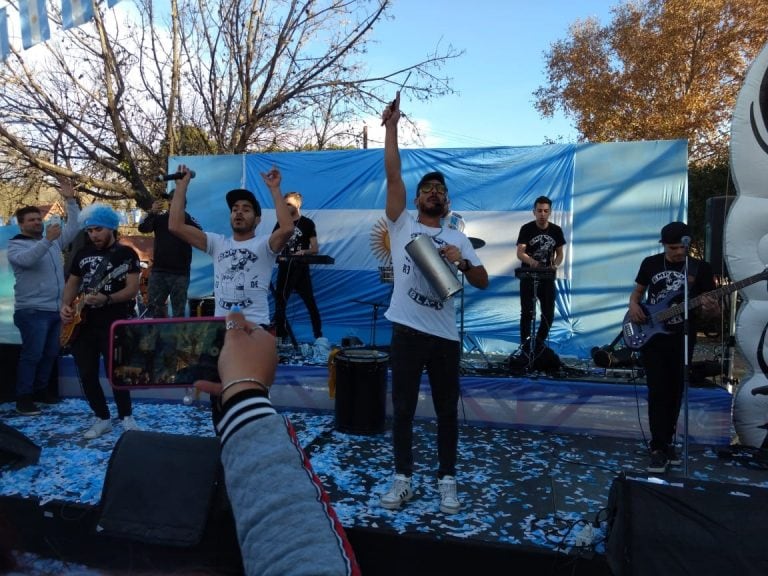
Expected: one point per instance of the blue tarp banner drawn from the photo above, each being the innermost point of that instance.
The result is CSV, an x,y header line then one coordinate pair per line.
x,y
610,199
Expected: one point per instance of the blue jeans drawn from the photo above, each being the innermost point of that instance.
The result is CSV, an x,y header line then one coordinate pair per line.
x,y
410,353
40,331
161,286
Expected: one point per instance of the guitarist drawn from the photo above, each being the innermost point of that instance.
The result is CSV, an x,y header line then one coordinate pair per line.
x,y
659,277
101,299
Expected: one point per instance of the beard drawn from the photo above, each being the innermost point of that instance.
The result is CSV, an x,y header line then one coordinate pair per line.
x,y
436,209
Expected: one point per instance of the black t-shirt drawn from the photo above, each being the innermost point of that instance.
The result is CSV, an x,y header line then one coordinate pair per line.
x,y
664,283
303,230
123,260
541,244
169,253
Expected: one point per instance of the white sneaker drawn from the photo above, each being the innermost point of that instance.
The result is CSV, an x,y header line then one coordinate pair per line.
x,y
399,492
130,424
320,350
449,502
98,428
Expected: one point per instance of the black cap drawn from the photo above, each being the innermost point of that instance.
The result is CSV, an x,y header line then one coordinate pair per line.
x,y
243,194
674,232
432,176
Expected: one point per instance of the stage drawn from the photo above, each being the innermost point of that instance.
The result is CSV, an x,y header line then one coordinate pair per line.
x,y
538,457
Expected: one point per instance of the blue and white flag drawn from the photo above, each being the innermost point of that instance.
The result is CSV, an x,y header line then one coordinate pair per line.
x,y
34,22
4,46
111,3
75,12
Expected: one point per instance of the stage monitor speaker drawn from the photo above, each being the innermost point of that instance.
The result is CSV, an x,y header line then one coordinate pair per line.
x,y
160,488
16,450
716,210
704,528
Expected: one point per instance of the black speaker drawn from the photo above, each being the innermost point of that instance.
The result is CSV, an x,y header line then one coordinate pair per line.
x,y
716,212
160,488
701,528
16,450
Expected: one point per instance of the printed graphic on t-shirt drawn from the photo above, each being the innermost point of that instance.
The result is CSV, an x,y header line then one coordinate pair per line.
x,y
237,274
89,265
294,244
664,284
541,247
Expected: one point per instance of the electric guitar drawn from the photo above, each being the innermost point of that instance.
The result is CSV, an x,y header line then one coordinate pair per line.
x,y
637,335
69,330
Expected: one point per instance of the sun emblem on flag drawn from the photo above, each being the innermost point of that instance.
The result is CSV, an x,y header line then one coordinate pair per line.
x,y
381,249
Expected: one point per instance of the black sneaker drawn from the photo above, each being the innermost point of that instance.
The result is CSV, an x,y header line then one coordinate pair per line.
x,y
46,397
658,463
26,407
673,457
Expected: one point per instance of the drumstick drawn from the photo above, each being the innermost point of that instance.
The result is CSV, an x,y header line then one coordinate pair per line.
x,y
399,90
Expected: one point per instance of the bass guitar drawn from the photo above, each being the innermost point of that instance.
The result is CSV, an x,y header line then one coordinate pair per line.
x,y
637,335
69,330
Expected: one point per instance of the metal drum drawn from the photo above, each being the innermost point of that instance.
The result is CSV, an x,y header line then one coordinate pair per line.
x,y
202,306
433,266
361,391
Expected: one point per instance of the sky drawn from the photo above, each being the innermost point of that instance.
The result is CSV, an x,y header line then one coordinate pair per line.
x,y
503,64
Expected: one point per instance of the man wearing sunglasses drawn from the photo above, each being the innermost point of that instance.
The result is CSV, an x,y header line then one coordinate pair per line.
x,y
424,332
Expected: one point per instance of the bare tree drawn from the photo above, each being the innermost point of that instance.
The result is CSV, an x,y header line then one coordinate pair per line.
x,y
108,102
662,69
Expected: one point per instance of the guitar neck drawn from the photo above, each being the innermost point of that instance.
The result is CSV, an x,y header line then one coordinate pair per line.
x,y
696,301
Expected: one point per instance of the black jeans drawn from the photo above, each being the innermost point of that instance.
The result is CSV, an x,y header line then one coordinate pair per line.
x,y
90,346
410,353
295,277
545,294
664,365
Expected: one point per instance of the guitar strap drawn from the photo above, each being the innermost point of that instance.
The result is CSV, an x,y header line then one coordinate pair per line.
x,y
101,270
693,268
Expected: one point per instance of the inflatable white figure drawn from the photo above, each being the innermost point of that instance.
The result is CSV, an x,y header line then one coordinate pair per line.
x,y
746,245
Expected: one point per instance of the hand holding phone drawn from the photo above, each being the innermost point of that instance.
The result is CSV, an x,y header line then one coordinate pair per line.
x,y
165,352
249,354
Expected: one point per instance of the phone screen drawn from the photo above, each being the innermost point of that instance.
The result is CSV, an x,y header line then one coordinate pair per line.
x,y
164,352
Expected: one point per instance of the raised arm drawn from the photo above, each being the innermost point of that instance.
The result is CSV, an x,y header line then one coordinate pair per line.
x,y
176,220
392,165
280,236
72,226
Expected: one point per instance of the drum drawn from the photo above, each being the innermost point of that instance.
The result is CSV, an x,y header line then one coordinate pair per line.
x,y
202,306
361,391
433,266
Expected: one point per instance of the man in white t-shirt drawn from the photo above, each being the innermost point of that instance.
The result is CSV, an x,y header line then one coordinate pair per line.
x,y
242,263
424,331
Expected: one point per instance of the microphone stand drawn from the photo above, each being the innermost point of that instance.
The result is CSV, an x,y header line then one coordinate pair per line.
x,y
686,382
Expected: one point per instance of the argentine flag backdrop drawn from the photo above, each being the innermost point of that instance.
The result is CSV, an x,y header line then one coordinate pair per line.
x,y
610,199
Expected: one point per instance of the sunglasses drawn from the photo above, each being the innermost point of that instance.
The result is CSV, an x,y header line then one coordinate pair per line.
x,y
433,187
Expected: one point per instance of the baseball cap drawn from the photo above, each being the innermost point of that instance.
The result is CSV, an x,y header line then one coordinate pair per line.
x,y
432,176
243,194
673,233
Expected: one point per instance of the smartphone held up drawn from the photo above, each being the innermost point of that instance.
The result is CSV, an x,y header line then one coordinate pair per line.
x,y
164,352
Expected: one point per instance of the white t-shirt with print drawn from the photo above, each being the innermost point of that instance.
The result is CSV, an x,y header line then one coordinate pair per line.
x,y
414,303
242,271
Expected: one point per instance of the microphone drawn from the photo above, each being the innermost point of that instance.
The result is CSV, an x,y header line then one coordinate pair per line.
x,y
685,240
176,176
